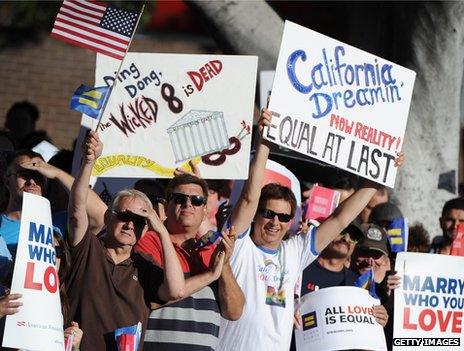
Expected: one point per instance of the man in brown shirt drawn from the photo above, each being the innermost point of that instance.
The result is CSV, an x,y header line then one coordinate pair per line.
x,y
109,287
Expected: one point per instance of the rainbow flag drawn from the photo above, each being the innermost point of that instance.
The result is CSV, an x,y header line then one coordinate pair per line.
x,y
398,233
366,281
89,100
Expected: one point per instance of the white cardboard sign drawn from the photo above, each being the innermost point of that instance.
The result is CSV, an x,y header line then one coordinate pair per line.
x,y
167,109
39,323
339,104
339,318
429,302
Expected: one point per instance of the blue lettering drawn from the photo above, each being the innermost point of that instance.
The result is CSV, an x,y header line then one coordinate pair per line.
x,y
410,299
328,104
36,235
291,71
35,252
409,284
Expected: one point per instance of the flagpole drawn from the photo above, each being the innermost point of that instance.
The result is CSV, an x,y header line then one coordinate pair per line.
x,y
105,101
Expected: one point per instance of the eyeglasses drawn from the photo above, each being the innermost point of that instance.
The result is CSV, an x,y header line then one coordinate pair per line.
x,y
59,251
350,239
375,254
181,199
126,216
283,217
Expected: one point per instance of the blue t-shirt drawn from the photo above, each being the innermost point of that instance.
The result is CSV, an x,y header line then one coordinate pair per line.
x,y
9,230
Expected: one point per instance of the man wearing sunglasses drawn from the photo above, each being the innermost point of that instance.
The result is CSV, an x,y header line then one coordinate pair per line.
x,y
211,289
109,286
266,266
329,270
372,253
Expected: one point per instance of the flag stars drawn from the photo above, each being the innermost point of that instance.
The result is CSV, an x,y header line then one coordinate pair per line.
x,y
120,21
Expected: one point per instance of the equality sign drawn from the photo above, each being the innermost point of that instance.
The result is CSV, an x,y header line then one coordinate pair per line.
x,y
338,104
430,301
168,109
39,323
339,318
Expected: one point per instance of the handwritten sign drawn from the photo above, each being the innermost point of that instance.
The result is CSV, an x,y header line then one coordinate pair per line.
x,y
339,318
339,104
39,323
167,109
429,302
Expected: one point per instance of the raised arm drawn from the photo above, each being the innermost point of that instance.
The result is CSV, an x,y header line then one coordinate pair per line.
x,y
173,286
78,223
347,211
245,209
231,297
95,206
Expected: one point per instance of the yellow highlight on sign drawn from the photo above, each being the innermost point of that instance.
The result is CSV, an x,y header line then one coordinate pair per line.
x,y
395,232
106,163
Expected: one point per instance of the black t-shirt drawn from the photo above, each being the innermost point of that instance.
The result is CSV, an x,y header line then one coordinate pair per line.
x,y
316,277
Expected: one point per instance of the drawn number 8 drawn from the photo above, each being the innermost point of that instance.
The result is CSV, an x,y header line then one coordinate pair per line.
x,y
174,103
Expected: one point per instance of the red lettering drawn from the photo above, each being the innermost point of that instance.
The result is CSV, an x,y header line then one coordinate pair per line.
x,y
29,280
358,130
210,70
443,322
203,74
422,322
216,65
456,327
51,272
406,324
196,79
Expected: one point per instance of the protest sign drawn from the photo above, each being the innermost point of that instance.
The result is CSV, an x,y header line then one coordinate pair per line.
x,y
321,203
39,323
339,318
274,173
338,104
167,109
429,303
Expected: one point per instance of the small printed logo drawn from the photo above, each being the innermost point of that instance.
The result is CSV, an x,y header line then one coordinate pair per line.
x,y
21,324
374,234
135,277
309,320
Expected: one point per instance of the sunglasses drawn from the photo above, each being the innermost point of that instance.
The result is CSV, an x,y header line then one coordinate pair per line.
x,y
126,216
375,254
59,251
350,239
283,217
181,199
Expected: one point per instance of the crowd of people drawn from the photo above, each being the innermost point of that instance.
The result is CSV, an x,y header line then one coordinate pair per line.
x,y
152,254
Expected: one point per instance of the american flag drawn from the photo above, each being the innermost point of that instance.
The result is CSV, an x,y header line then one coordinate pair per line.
x,y
95,26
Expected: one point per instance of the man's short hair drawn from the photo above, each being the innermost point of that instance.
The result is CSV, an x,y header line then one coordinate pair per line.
x,y
186,179
275,191
453,204
24,152
129,193
419,239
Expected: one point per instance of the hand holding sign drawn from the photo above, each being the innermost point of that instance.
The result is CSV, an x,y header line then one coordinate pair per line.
x,y
92,147
9,304
264,120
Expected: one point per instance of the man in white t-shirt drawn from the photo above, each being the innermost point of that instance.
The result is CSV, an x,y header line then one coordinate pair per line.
x,y
267,267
